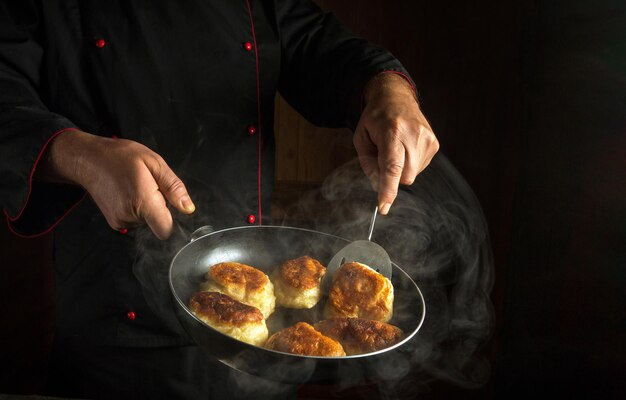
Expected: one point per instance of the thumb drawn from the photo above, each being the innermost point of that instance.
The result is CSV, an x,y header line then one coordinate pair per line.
x,y
173,189
367,154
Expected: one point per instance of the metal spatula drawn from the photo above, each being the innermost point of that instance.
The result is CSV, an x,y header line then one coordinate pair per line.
x,y
362,251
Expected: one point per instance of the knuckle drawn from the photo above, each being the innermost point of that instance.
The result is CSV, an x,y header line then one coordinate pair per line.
x,y
408,180
394,129
156,162
389,194
430,138
137,207
435,145
174,186
393,168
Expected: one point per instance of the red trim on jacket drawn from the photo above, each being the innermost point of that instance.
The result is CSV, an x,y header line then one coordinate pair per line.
x,y
405,76
32,173
258,96
54,225
10,219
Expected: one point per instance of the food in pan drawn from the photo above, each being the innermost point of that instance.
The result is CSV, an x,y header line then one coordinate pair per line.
x,y
303,339
297,282
229,316
243,283
359,291
360,336
237,298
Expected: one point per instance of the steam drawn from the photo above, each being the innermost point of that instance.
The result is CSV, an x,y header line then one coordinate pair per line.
x,y
437,233
151,268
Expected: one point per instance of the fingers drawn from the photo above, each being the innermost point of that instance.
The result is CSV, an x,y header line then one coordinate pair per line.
x,y
367,153
168,186
391,166
429,147
172,187
393,128
401,152
157,215
386,165
420,149
132,185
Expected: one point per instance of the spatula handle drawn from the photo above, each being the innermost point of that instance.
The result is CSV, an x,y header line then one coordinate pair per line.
x,y
369,235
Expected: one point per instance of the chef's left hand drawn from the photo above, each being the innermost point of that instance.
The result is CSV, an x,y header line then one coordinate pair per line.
x,y
393,139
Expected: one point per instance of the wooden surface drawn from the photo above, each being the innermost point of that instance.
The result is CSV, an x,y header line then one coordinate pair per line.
x,y
306,153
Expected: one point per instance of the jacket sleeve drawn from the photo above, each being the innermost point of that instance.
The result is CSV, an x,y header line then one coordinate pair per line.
x,y
324,67
27,127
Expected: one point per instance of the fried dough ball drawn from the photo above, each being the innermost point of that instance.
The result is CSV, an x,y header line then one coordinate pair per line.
x,y
359,291
242,282
304,340
229,316
360,336
297,282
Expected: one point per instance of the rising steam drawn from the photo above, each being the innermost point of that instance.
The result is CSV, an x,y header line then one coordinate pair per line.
x,y
435,231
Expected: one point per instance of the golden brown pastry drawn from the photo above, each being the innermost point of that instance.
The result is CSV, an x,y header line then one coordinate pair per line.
x,y
297,282
243,283
229,316
303,339
359,291
360,336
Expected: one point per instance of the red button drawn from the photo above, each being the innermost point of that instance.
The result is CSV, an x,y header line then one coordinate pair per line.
x,y
131,315
251,130
247,46
100,43
251,219
124,231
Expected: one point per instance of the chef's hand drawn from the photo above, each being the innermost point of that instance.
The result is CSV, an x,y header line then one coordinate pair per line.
x,y
128,182
393,139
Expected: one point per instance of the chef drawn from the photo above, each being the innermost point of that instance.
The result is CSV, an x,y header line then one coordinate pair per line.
x,y
120,115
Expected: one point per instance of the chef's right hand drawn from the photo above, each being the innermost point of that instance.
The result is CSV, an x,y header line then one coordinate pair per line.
x,y
128,182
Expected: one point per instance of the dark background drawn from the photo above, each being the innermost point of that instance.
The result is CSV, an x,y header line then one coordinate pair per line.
x,y
528,99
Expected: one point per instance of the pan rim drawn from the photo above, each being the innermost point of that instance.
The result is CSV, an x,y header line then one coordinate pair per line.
x,y
291,355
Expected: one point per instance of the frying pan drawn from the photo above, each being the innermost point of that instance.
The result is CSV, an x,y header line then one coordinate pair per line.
x,y
265,247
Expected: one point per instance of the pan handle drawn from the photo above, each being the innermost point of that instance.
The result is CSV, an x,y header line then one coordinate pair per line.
x,y
202,231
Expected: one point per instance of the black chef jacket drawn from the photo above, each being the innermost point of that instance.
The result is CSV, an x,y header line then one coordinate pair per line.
x,y
194,81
